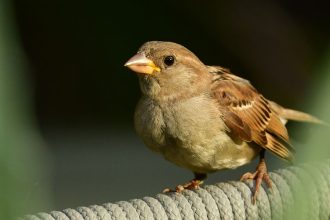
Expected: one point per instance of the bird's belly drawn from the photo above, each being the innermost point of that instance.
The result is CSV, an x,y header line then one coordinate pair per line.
x,y
198,142
218,153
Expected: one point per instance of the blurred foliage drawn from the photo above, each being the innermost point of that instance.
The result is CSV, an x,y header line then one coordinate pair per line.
x,y
23,187
318,137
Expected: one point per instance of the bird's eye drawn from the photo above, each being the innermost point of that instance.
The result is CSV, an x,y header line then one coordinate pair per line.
x,y
169,60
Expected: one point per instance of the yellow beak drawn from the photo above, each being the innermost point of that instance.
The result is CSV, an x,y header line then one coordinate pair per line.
x,y
141,64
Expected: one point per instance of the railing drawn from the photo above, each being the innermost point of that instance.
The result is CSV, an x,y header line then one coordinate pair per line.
x,y
299,192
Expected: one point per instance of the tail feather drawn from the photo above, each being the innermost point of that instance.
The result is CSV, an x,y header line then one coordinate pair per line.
x,y
290,114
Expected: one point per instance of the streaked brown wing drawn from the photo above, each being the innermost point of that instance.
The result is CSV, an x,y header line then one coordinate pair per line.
x,y
248,114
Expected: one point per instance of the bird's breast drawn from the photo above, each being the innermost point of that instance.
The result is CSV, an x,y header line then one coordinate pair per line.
x,y
149,124
190,133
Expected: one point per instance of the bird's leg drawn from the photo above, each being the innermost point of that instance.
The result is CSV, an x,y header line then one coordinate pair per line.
x,y
259,175
192,184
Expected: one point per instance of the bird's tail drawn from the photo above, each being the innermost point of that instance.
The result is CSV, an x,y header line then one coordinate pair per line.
x,y
290,114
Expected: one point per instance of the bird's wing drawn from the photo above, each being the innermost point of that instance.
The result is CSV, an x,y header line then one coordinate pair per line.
x,y
248,115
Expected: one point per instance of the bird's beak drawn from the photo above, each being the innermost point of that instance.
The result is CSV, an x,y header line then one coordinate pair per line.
x,y
141,64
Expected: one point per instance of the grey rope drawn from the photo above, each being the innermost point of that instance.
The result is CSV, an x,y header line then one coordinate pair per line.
x,y
299,192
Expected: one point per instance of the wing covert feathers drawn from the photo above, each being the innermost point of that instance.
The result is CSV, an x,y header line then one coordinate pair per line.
x,y
248,114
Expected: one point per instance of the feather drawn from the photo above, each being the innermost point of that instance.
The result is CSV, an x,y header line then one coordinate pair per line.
x,y
248,114
290,114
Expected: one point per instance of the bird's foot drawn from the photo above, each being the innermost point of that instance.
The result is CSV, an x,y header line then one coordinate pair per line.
x,y
259,175
193,184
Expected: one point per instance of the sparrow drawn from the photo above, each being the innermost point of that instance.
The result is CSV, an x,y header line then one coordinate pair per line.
x,y
204,118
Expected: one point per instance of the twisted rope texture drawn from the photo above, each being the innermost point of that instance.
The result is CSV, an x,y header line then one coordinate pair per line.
x,y
299,192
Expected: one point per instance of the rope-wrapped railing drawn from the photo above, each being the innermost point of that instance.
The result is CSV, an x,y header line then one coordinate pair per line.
x,y
299,192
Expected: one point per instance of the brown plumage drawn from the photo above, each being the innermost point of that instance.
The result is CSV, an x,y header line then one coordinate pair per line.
x,y
255,121
204,118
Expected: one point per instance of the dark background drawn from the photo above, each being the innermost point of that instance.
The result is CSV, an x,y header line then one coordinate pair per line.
x,y
84,98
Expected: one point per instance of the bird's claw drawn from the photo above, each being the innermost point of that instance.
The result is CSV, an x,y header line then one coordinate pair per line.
x,y
193,184
259,175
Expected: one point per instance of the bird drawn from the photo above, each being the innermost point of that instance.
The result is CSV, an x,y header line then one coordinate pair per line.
x,y
204,118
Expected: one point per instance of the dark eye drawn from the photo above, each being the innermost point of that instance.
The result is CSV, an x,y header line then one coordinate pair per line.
x,y
169,60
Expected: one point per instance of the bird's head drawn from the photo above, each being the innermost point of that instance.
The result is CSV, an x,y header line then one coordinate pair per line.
x,y
168,70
